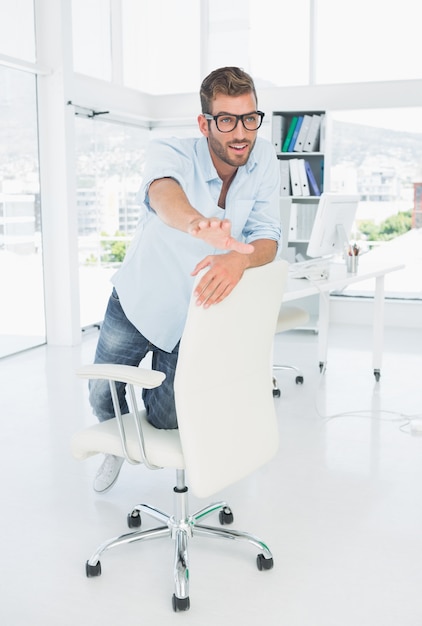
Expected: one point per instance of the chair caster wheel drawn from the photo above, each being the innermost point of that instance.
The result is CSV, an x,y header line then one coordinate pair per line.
x,y
180,604
276,393
134,520
299,380
225,516
263,563
93,570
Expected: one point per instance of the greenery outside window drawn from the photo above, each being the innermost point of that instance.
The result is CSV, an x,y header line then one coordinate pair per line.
x,y
378,153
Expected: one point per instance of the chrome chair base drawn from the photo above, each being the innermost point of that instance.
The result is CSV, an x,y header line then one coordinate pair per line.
x,y
299,377
180,527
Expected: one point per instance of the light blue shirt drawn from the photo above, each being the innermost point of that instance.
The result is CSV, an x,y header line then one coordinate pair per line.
x,y
154,283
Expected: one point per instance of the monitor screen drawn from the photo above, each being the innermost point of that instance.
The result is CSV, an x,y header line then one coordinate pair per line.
x,y
333,224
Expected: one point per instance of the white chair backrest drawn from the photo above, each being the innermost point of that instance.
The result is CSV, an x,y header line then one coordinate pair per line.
x,y
223,384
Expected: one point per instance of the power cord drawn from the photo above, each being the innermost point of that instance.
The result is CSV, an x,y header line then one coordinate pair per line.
x,y
412,423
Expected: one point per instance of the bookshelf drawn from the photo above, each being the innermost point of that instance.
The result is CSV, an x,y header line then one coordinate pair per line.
x,y
300,142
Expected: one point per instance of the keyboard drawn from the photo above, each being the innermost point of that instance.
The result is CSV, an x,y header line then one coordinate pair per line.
x,y
313,269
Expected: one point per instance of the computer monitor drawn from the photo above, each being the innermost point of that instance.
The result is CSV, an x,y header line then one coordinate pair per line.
x,y
333,224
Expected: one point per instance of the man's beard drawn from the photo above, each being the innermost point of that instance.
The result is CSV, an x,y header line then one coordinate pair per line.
x,y
222,152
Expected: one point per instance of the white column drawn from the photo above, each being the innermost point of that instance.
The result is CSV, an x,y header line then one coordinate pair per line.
x,y
57,166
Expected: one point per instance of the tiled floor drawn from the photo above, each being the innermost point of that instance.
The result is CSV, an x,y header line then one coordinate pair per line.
x,y
340,506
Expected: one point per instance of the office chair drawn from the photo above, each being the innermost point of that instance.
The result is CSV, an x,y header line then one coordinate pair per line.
x,y
226,418
290,317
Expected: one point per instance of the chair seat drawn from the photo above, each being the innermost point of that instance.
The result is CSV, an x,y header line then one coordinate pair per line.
x,y
162,447
291,317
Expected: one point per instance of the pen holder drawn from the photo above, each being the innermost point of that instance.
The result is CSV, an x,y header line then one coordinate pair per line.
x,y
352,263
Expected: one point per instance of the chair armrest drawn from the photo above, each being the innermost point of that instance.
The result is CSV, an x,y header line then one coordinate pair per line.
x,y
122,373
132,376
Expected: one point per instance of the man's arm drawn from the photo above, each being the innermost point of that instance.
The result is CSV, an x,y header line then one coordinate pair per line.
x,y
172,206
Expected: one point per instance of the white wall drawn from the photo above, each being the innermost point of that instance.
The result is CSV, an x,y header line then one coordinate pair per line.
x,y
181,107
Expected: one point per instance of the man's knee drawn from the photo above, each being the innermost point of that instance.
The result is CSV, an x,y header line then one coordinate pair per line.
x,y
160,408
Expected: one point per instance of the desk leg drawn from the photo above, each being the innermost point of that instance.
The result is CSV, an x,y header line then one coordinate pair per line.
x,y
378,326
323,322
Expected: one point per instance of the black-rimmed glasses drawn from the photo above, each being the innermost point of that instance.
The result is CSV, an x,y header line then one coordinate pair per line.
x,y
226,122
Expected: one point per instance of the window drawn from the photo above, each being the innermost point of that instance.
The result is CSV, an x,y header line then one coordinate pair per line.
x,y
109,167
367,41
92,38
261,36
279,42
21,273
161,45
17,33
379,154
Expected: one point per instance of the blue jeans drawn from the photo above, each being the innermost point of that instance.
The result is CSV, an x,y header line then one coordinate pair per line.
x,y
120,342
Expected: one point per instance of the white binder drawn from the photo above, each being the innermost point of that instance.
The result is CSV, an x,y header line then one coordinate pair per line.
x,y
284,178
305,220
293,223
304,185
312,139
294,177
303,133
277,132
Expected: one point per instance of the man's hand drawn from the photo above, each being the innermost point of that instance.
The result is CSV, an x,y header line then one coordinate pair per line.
x,y
172,206
217,233
225,271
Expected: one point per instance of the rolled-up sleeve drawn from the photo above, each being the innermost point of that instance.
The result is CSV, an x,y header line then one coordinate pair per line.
x,y
163,160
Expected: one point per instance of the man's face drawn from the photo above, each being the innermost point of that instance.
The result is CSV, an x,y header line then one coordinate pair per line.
x,y
232,148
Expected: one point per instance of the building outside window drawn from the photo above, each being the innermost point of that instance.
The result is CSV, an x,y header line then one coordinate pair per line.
x,y
109,164
22,321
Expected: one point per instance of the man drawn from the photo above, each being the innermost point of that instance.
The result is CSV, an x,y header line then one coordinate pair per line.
x,y
208,203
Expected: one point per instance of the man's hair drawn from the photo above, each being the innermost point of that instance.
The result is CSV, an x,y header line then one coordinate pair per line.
x,y
228,81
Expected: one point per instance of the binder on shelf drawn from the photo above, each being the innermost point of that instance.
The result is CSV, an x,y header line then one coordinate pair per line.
x,y
294,177
295,133
293,223
312,182
303,133
312,138
290,132
321,147
278,131
284,178
302,217
303,178
305,220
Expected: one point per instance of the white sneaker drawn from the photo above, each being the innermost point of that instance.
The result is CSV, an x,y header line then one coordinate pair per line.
x,y
108,473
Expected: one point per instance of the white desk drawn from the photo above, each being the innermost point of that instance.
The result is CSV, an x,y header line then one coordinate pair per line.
x,y
370,266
